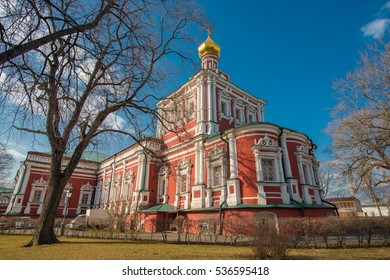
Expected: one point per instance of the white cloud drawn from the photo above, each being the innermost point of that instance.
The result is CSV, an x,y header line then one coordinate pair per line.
x,y
386,6
376,28
16,154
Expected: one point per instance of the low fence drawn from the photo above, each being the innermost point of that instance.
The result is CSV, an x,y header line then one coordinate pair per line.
x,y
296,232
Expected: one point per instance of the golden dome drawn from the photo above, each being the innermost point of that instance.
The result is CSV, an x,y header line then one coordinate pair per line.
x,y
209,46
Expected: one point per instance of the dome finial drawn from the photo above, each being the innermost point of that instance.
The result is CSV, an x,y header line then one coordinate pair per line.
x,y
209,46
208,31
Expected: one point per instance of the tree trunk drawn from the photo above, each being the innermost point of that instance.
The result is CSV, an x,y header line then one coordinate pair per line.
x,y
44,232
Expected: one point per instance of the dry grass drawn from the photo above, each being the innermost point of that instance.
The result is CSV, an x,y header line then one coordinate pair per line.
x,y
373,253
11,248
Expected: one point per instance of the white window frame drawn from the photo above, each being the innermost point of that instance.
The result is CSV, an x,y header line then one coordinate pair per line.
x,y
267,148
238,110
183,169
273,165
191,102
85,189
224,97
250,113
35,198
162,184
85,197
37,185
216,159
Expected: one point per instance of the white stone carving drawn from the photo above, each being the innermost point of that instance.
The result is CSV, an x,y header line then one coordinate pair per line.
x,y
41,181
303,148
216,152
266,142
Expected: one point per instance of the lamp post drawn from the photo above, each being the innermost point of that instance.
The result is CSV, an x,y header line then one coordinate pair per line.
x,y
68,194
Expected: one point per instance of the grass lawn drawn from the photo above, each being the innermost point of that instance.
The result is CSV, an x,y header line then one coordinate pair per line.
x,y
11,248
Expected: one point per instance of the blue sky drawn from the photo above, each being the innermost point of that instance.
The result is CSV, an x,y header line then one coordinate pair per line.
x,y
287,53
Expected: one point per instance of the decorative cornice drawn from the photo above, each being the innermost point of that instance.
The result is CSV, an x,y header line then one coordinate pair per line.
x,y
184,163
41,181
87,186
216,152
303,149
266,142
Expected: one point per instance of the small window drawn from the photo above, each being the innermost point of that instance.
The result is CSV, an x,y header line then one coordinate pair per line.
x,y
239,114
183,183
85,198
250,118
224,108
191,108
37,196
217,176
306,173
268,169
161,185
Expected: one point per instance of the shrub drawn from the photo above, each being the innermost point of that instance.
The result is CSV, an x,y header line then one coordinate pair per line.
x,y
268,243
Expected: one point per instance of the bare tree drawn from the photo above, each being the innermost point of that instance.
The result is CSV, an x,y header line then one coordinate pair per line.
x,y
90,81
327,177
6,164
361,122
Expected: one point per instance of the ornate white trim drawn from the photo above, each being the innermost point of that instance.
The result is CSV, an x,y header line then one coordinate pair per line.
x,y
216,152
266,142
41,182
303,148
87,186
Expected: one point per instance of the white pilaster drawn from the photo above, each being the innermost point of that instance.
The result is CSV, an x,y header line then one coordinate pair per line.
x,y
262,199
286,159
233,156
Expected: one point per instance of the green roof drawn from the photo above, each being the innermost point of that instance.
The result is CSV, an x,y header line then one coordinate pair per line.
x,y
94,156
6,190
168,208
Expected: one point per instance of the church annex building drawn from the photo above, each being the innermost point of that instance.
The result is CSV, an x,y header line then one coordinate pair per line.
x,y
213,156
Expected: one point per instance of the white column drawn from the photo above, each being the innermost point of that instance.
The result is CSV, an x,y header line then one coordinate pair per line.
x,y
201,163
233,156
96,202
197,163
165,196
201,107
259,171
209,104
281,173
260,112
286,159
313,180
141,171
300,167
214,99
104,192
277,170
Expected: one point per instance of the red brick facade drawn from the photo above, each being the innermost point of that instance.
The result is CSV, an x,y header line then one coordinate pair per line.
x,y
214,156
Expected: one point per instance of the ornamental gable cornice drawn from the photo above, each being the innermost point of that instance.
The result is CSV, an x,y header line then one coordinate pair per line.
x,y
303,148
216,152
163,170
266,142
224,94
184,163
40,181
87,186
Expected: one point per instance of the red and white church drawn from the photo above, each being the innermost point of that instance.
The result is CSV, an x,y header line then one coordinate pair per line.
x,y
213,154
